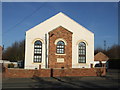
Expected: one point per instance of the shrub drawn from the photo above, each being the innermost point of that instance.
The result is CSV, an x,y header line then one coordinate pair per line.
x,y
11,65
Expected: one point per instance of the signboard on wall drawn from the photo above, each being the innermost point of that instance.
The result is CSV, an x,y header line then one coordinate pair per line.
x,y
60,60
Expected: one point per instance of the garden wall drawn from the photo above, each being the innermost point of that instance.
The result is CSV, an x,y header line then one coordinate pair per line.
x,y
27,73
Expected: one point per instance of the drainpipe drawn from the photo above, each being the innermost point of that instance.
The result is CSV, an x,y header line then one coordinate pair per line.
x,y
46,51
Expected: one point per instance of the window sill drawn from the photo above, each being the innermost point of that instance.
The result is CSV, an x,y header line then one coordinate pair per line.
x,y
82,63
59,54
36,63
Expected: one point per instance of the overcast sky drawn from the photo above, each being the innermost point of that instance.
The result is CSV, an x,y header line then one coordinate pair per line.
x,y
100,18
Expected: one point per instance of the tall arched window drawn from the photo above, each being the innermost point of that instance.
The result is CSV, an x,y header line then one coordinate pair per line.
x,y
60,49
38,51
82,52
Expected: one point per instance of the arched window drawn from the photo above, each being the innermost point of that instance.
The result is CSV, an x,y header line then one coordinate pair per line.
x,y
38,51
60,49
82,52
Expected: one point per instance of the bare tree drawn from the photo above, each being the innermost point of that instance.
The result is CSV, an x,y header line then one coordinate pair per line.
x,y
15,52
113,52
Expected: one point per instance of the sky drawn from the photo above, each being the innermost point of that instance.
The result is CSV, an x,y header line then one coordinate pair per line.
x,y
101,18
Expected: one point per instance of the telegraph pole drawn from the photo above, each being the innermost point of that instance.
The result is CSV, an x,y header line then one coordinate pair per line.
x,y
105,45
3,48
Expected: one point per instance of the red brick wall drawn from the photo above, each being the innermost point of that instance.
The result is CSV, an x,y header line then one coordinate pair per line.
x,y
23,73
60,32
78,72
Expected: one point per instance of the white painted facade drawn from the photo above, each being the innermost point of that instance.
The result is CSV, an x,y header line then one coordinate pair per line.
x,y
79,34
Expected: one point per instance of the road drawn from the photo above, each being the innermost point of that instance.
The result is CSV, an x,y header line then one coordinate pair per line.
x,y
111,80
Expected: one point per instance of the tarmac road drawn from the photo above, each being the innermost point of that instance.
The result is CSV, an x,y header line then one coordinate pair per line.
x,y
111,80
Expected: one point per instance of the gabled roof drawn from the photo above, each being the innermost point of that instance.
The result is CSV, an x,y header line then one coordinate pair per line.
x,y
61,27
59,18
100,57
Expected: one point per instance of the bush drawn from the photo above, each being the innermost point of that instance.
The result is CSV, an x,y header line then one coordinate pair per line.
x,y
11,65
114,63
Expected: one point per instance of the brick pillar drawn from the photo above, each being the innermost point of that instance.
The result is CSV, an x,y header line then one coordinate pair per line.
x,y
66,35
91,65
39,66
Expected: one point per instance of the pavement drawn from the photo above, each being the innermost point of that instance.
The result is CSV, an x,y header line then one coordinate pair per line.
x,y
111,80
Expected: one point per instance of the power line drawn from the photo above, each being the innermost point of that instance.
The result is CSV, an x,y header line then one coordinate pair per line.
x,y
10,29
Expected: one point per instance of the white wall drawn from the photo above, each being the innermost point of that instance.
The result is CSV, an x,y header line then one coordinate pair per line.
x,y
79,33
29,51
97,62
5,63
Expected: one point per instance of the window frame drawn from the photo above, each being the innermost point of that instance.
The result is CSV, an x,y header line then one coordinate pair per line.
x,y
82,53
37,52
60,48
